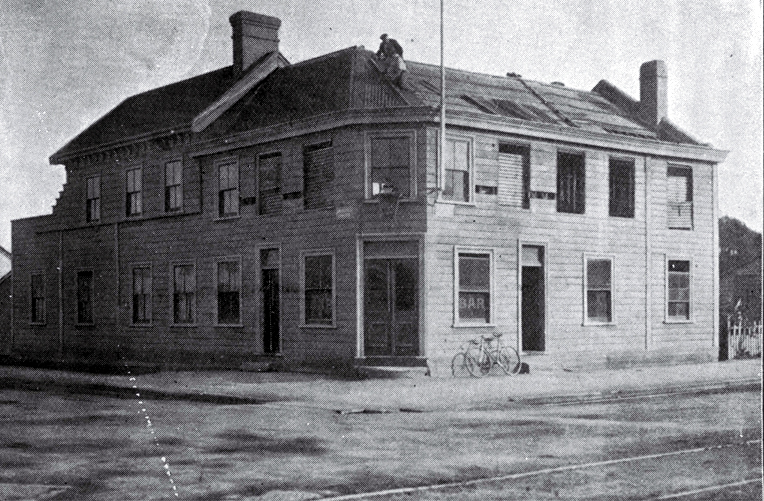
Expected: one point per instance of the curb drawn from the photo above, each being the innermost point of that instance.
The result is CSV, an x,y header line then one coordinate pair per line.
x,y
655,391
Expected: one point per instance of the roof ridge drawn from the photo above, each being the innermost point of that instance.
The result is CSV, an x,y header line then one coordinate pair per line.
x,y
499,77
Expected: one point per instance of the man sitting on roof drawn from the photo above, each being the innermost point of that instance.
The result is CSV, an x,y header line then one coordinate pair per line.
x,y
391,52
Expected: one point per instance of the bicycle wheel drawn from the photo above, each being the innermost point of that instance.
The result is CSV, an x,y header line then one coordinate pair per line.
x,y
509,360
459,367
472,365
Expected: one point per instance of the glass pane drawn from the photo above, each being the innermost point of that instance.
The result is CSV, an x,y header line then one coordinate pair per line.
x,y
598,306
683,266
380,152
461,158
680,310
598,273
399,152
474,272
474,306
318,307
228,307
318,272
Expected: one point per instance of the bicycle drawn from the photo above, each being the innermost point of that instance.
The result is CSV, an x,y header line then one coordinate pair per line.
x,y
481,356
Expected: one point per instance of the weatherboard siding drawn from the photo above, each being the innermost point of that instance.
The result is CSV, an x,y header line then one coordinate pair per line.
x,y
568,238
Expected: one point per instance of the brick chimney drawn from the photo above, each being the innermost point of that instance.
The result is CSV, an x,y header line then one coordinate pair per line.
x,y
254,35
653,102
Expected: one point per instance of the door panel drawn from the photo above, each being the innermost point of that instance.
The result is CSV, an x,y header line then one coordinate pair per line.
x,y
391,308
533,308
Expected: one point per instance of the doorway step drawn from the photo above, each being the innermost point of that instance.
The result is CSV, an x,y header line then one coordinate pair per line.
x,y
392,367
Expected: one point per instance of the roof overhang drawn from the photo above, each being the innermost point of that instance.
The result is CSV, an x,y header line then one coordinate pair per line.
x,y
474,121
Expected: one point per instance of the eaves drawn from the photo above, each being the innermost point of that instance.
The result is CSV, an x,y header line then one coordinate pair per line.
x,y
474,121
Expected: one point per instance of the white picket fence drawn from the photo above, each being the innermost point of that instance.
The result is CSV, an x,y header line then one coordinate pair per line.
x,y
744,339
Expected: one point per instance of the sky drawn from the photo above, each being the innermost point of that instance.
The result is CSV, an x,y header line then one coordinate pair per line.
x,y
65,64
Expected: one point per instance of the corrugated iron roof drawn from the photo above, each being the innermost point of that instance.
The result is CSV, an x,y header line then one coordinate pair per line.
x,y
352,79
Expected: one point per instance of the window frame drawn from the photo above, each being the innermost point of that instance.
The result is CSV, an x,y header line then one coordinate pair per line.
x,y
488,251
369,137
303,306
89,218
42,318
226,260
575,210
222,162
690,195
690,313
194,301
329,201
631,202
258,182
78,272
150,299
470,171
598,257
179,185
128,193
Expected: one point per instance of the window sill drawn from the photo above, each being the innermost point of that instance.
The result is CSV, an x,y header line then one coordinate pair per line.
x,y
183,326
463,325
38,324
235,326
138,326
678,321
85,326
680,229
227,218
375,201
599,324
471,203
318,326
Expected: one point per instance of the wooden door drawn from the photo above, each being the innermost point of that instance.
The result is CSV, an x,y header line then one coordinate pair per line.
x,y
270,300
391,307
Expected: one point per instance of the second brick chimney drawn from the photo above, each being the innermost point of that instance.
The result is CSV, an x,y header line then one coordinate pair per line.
x,y
653,102
254,35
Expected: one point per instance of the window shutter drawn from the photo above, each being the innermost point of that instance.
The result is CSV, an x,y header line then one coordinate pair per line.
x,y
511,180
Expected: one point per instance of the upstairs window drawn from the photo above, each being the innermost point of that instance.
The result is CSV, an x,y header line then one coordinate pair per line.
x,y
142,295
514,175
599,290
571,193
134,199
173,186
621,188
269,183
456,170
93,199
678,299
679,198
37,315
474,287
84,297
391,165
228,287
318,175
318,278
183,294
228,189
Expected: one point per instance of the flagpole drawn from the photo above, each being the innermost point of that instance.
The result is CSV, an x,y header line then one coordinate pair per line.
x,y
442,141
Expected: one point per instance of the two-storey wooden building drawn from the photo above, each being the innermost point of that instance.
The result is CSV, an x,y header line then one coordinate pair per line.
x,y
300,211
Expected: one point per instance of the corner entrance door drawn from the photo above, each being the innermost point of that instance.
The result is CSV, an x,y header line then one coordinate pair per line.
x,y
532,298
391,309
270,300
